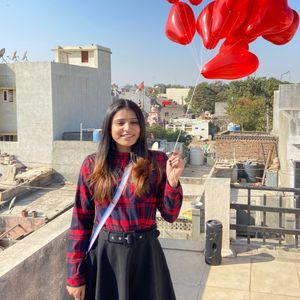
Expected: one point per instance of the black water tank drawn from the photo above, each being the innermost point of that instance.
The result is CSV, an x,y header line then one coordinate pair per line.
x,y
213,244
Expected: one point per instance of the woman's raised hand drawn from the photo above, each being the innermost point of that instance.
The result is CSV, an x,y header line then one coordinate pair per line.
x,y
174,168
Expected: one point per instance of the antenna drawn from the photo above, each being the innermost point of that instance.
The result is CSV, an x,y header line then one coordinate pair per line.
x,y
2,51
13,57
24,58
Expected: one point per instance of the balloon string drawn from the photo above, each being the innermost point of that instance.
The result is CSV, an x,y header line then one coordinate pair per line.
x,y
193,48
187,110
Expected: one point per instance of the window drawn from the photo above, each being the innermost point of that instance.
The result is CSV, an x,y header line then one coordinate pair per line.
x,y
8,96
84,56
5,96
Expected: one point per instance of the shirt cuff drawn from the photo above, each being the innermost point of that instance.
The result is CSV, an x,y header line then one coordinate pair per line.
x,y
173,189
76,282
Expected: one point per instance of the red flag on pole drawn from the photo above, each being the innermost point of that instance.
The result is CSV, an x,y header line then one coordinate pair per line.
x,y
141,86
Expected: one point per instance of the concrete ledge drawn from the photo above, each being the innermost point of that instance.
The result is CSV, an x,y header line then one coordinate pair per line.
x,y
192,180
184,245
23,249
35,268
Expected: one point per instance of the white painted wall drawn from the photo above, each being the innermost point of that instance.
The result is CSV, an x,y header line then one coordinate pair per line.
x,y
177,94
288,109
8,113
53,98
200,129
72,55
79,95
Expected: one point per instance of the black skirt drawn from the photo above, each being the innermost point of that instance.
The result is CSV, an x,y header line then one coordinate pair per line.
x,y
128,267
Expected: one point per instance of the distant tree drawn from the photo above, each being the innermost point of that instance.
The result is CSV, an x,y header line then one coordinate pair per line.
x,y
206,95
255,88
249,113
159,132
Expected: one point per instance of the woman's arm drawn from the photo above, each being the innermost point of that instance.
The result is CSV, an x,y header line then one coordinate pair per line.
x,y
169,193
81,228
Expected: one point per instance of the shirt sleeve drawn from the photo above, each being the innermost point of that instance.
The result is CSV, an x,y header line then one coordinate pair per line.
x,y
81,228
169,199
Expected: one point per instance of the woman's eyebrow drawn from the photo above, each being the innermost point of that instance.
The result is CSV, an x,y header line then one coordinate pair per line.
x,y
126,119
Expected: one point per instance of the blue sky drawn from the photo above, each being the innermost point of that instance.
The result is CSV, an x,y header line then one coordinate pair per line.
x,y
134,31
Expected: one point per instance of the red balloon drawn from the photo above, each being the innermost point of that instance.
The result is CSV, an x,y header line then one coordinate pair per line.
x,y
181,24
226,20
286,35
195,2
203,26
236,5
235,41
231,63
268,17
172,1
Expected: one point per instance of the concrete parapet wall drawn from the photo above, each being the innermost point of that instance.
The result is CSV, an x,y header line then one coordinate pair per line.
x,y
217,207
69,155
34,268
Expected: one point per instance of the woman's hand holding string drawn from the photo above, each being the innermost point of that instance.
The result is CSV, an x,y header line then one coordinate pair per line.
x,y
175,166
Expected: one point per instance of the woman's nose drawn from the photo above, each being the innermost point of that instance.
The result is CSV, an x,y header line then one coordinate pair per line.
x,y
126,126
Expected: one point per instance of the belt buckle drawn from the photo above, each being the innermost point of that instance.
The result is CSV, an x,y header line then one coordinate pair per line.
x,y
128,238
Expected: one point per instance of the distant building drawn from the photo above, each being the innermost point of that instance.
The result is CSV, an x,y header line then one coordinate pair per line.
x,y
221,109
199,128
139,97
170,110
286,125
39,101
87,56
154,116
178,95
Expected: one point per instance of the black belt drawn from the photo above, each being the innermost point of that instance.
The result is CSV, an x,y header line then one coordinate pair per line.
x,y
128,238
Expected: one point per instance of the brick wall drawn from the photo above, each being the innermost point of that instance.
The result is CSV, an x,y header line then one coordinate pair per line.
x,y
246,146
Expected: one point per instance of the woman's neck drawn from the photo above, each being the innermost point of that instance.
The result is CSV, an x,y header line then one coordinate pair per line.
x,y
123,149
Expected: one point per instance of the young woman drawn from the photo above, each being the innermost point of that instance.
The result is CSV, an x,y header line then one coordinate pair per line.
x,y
127,261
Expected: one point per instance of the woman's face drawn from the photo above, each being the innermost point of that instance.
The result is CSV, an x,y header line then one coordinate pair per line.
x,y
125,129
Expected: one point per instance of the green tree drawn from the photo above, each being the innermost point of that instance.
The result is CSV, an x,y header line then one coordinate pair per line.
x,y
249,113
159,132
205,96
254,88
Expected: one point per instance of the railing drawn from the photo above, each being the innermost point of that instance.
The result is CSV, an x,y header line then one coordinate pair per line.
x,y
280,231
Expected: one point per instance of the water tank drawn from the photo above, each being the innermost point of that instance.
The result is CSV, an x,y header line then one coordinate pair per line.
x,y
196,156
96,135
230,127
233,127
236,127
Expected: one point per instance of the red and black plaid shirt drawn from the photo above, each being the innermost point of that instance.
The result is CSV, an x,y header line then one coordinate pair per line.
x,y
131,212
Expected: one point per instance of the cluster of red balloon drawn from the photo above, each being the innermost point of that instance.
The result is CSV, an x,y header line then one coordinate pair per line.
x,y
238,22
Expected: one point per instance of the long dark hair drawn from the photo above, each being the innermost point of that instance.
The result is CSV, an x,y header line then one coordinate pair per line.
x,y
105,174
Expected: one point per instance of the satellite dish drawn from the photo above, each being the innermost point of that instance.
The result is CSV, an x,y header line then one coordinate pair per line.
x,y
154,146
14,56
2,51
25,56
